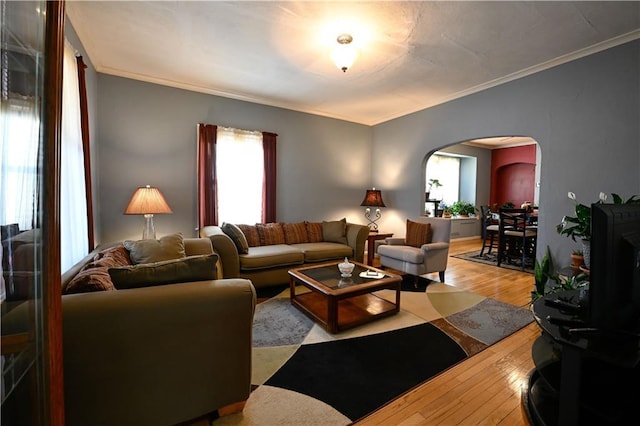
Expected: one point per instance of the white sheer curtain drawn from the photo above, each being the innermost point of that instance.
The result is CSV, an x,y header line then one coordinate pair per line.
x,y
446,169
20,131
240,175
73,206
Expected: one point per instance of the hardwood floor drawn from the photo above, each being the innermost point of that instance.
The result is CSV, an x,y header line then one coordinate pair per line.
x,y
485,389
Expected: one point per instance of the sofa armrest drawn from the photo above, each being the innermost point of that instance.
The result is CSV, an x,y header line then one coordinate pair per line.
x,y
226,249
157,355
436,255
435,246
357,239
395,241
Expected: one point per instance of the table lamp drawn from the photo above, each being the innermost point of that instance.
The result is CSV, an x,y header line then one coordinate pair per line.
x,y
148,201
372,198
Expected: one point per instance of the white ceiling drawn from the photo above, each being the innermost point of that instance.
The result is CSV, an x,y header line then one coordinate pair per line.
x,y
413,55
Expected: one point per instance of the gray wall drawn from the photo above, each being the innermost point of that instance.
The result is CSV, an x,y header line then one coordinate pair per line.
x,y
147,135
583,114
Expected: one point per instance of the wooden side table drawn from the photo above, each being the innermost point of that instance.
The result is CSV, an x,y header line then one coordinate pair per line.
x,y
371,239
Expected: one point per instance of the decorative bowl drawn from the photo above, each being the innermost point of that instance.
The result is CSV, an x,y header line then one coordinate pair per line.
x,y
346,268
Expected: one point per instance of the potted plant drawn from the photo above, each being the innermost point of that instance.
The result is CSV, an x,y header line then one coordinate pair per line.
x,y
462,208
446,210
432,183
542,272
577,259
507,205
579,226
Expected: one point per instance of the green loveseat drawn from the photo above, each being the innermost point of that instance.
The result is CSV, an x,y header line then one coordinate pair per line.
x,y
154,355
269,251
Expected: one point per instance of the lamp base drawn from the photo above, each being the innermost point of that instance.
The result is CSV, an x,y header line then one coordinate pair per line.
x,y
149,231
373,226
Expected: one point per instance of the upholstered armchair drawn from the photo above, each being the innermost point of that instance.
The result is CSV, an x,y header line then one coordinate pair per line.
x,y
424,249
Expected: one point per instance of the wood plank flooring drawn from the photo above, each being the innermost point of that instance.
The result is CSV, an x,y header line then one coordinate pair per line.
x,y
485,389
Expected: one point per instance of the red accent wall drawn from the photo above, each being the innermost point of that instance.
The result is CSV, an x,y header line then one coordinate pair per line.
x,y
513,173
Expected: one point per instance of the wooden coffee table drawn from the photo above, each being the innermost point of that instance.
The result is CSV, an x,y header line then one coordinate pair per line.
x,y
340,303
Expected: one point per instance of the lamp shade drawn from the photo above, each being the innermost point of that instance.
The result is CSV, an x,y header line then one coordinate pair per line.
x,y
373,198
147,200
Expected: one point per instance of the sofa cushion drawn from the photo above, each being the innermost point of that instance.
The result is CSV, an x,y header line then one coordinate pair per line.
x,y
192,268
118,254
418,233
271,256
323,251
335,231
94,276
251,234
295,233
314,232
270,233
149,251
237,236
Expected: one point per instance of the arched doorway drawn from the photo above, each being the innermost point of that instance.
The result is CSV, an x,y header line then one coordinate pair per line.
x,y
491,171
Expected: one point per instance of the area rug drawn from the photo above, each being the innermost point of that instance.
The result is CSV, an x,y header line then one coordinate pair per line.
x,y
492,259
303,375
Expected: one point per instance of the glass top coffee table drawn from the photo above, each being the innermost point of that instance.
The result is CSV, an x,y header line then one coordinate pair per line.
x,y
339,303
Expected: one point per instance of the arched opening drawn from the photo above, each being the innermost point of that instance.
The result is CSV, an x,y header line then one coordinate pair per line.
x,y
485,171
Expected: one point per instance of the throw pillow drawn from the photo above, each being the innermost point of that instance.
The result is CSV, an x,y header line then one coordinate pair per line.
x,y
191,268
314,232
88,280
335,231
118,254
251,234
418,233
148,251
237,236
270,233
295,233
95,276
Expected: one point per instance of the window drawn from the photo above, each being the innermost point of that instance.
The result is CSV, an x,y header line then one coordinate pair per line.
x,y
239,187
73,203
236,176
19,166
446,169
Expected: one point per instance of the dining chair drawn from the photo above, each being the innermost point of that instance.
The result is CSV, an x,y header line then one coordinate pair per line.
x,y
517,239
490,230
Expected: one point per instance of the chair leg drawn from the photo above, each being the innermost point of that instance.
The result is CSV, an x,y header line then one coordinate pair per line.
x,y
490,243
441,273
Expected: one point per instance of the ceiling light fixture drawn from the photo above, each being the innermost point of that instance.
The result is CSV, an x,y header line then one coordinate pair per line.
x,y
345,54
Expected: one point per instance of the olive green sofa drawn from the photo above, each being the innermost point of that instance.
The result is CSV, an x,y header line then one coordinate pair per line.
x,y
157,354
271,250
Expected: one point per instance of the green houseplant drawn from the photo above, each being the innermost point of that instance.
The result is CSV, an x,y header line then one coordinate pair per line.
x,y
579,226
462,208
432,183
542,272
577,259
